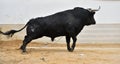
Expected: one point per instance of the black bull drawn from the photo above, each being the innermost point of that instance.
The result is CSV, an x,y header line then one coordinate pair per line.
x,y
67,23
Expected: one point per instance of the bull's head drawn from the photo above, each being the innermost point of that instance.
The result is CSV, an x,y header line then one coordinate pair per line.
x,y
91,19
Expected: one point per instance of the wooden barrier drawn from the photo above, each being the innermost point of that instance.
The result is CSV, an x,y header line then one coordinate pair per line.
x,y
99,33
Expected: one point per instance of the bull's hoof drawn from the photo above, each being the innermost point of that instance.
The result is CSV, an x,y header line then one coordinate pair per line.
x,y
23,49
24,53
70,49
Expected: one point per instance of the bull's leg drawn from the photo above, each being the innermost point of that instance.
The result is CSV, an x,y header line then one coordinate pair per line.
x,y
25,42
71,32
68,43
74,43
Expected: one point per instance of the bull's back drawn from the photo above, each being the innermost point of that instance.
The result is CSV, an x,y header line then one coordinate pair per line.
x,y
53,25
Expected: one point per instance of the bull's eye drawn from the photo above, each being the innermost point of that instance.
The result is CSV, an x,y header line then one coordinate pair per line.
x,y
92,13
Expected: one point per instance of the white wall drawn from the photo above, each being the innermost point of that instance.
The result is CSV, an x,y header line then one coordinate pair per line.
x,y
20,11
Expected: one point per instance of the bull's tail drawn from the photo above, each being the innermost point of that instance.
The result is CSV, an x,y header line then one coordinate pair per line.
x,y
12,32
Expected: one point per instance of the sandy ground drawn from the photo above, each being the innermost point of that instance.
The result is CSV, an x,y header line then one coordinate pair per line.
x,y
54,53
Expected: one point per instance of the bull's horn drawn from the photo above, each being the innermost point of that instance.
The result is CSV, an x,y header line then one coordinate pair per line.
x,y
96,9
93,10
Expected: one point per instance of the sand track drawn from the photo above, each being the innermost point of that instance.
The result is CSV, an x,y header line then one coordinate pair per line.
x,y
54,53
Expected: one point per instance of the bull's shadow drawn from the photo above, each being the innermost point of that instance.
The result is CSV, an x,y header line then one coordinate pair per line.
x,y
46,49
